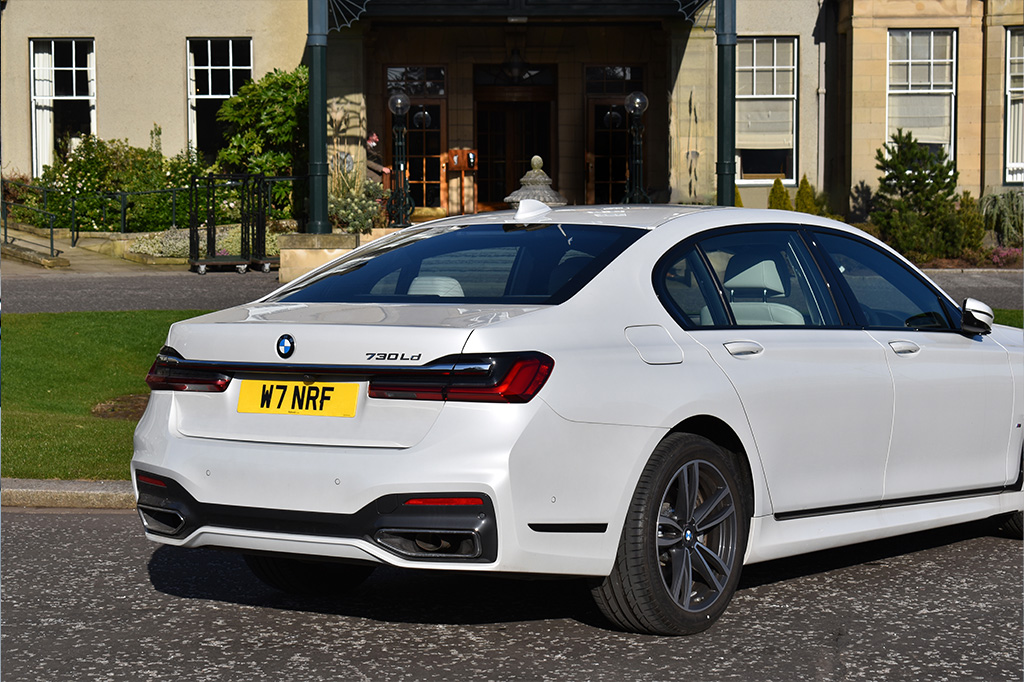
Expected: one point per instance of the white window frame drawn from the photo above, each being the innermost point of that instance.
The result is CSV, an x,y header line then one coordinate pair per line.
x,y
43,95
774,97
237,76
1014,133
929,89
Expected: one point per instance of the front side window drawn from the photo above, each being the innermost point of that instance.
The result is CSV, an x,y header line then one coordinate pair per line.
x,y
766,108
1015,105
922,86
63,96
886,294
217,68
478,264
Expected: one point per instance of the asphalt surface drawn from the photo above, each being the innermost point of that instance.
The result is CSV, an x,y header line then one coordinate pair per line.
x,y
86,597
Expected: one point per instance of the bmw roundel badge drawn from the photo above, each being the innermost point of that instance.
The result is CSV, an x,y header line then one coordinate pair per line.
x,y
285,346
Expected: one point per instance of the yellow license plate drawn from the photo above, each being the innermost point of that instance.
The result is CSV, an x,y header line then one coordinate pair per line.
x,y
298,397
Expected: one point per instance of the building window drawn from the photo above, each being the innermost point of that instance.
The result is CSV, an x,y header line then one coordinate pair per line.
x,y
63,96
425,135
1015,105
608,129
766,108
614,80
922,86
217,68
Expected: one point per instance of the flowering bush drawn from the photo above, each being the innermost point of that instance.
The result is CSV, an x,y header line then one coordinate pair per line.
x,y
354,204
1007,256
96,172
174,243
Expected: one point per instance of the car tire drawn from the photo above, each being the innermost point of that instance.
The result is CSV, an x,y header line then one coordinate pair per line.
x,y
681,550
1014,524
304,577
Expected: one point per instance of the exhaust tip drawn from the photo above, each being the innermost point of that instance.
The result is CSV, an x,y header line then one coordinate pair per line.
x,y
160,520
431,544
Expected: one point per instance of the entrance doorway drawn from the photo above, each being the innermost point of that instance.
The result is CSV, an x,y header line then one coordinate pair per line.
x,y
515,121
508,135
607,159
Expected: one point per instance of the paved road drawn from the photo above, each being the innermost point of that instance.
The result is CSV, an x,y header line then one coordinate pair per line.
x,y
85,597
36,292
997,288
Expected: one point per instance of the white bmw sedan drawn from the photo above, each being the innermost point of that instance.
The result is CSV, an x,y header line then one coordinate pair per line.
x,y
652,396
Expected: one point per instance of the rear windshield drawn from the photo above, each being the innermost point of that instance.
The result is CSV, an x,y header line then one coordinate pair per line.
x,y
499,264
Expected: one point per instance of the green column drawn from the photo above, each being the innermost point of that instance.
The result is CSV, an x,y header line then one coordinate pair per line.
x,y
725,167
316,42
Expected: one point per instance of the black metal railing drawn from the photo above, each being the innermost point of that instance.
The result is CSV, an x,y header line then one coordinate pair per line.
x,y
51,217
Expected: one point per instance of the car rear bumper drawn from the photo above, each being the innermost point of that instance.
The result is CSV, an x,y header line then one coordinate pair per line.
x,y
551,491
448,527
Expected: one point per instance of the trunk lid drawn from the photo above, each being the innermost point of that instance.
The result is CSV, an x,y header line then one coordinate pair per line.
x,y
334,351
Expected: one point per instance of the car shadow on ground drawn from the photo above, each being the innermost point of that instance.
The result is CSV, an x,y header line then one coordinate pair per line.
x,y
388,595
446,598
865,553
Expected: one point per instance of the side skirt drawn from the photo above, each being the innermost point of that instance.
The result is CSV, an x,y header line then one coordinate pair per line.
x,y
772,538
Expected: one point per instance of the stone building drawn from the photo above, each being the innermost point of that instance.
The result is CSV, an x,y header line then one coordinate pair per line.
x,y
820,86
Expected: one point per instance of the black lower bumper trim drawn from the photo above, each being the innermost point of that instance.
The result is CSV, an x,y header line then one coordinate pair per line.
x,y
569,527
389,513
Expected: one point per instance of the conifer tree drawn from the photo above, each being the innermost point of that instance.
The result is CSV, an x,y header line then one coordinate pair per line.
x,y
915,205
779,197
805,202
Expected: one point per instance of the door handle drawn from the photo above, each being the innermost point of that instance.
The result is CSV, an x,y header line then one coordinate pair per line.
x,y
904,347
741,349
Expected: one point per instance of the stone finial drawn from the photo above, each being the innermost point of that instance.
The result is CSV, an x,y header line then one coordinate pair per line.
x,y
536,185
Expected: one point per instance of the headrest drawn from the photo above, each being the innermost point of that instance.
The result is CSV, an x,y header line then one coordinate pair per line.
x,y
435,286
762,275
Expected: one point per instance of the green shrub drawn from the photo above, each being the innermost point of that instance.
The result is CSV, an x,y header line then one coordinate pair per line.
x,y
778,198
916,207
175,243
268,130
95,173
355,204
969,228
738,202
805,198
1004,216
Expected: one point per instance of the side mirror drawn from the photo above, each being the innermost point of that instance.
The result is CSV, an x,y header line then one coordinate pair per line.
x,y
977,317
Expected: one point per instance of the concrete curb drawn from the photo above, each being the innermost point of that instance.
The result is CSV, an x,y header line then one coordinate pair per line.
x,y
21,492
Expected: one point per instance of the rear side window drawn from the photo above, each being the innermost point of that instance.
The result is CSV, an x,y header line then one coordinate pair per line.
x,y
751,278
496,264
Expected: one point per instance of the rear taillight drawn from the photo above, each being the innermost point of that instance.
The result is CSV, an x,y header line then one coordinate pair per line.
x,y
169,374
499,378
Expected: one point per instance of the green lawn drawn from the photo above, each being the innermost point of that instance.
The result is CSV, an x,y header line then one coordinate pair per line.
x,y
59,365
1014,318
56,367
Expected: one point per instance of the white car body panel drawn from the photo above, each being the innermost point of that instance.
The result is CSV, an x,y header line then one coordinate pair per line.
x,y
625,375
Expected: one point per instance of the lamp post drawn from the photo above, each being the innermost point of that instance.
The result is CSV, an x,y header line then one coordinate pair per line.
x,y
400,203
636,105
316,42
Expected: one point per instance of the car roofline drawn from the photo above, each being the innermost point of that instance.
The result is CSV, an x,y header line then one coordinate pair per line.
x,y
644,216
